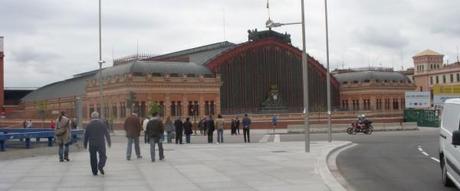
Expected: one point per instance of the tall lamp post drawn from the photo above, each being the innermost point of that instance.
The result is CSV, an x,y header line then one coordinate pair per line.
x,y
100,62
328,78
269,24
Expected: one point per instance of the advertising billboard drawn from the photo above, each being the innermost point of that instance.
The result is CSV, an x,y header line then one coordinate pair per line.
x,y
418,100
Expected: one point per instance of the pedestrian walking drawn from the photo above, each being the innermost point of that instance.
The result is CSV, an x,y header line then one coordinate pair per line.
x,y
220,129
179,130
237,125
274,122
63,137
96,134
233,127
153,134
29,124
202,126
188,130
144,123
133,130
246,128
169,126
210,126
24,124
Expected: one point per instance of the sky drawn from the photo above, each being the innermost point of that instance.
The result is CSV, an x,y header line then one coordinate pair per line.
x,y
48,40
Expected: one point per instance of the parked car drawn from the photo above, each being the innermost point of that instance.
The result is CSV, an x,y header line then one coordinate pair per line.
x,y
449,143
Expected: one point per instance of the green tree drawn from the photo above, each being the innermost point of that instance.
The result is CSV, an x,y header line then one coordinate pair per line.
x,y
41,108
131,100
154,107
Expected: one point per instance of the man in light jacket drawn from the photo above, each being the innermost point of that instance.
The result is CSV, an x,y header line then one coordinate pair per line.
x,y
63,136
96,134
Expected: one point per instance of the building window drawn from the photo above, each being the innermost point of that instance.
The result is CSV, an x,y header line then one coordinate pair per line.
x,y
366,104
176,108
387,104
437,79
122,109
403,103
443,79
114,111
395,104
355,104
378,104
458,77
345,104
451,78
91,110
431,80
193,108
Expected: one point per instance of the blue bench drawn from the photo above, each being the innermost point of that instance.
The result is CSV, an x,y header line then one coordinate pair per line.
x,y
28,135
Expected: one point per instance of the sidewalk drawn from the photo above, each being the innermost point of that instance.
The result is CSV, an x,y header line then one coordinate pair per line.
x,y
256,166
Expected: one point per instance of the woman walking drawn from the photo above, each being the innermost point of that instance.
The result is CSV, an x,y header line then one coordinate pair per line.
x,y
63,139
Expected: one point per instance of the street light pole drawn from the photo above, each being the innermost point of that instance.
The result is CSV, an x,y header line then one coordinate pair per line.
x,y
328,78
101,99
305,84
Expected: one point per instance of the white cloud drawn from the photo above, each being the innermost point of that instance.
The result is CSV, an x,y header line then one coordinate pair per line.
x,y
47,40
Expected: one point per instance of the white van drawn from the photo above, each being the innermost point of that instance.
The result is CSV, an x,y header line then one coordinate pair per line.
x,y
449,142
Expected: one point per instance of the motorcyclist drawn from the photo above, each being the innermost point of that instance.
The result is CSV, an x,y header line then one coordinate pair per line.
x,y
361,123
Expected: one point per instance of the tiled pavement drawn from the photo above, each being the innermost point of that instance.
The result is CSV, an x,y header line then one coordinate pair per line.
x,y
256,166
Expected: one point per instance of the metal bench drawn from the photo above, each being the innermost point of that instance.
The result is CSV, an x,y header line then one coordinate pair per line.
x,y
27,136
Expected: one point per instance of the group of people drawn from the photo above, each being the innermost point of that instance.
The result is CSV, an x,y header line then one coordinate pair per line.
x,y
97,134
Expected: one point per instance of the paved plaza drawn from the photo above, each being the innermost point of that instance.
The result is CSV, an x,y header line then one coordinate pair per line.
x,y
255,166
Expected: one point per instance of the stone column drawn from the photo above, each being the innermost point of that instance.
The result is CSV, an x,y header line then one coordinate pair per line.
x,y
201,105
184,106
167,105
217,105
118,110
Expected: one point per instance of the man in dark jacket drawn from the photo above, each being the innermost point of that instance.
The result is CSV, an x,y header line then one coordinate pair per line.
x,y
246,128
188,130
210,126
133,129
153,133
237,125
179,130
96,134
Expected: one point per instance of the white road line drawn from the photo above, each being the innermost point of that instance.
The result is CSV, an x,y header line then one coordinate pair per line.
x,y
277,138
426,154
435,159
264,139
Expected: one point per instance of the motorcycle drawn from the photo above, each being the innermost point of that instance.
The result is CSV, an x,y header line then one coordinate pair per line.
x,y
361,127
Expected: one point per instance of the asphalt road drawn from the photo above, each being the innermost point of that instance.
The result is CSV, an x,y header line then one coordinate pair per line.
x,y
388,160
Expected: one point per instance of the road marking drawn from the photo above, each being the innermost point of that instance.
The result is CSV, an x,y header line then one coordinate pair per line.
x,y
419,147
264,139
435,159
277,138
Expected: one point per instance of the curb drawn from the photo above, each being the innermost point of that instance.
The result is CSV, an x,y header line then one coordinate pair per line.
x,y
329,179
344,131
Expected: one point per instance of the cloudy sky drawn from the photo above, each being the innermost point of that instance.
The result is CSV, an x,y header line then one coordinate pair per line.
x,y
50,40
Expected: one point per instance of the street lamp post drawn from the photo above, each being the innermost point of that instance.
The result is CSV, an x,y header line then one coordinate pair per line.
x,y
306,111
328,78
100,62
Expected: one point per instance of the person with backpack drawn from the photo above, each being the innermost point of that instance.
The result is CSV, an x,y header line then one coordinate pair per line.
x,y
153,134
188,130
63,136
220,129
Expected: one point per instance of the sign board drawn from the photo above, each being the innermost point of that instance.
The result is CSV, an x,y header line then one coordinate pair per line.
x,y
440,99
418,100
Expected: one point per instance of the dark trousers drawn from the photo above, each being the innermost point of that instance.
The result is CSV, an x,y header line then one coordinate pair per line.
x,y
237,130
93,152
178,138
246,133
210,136
187,138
